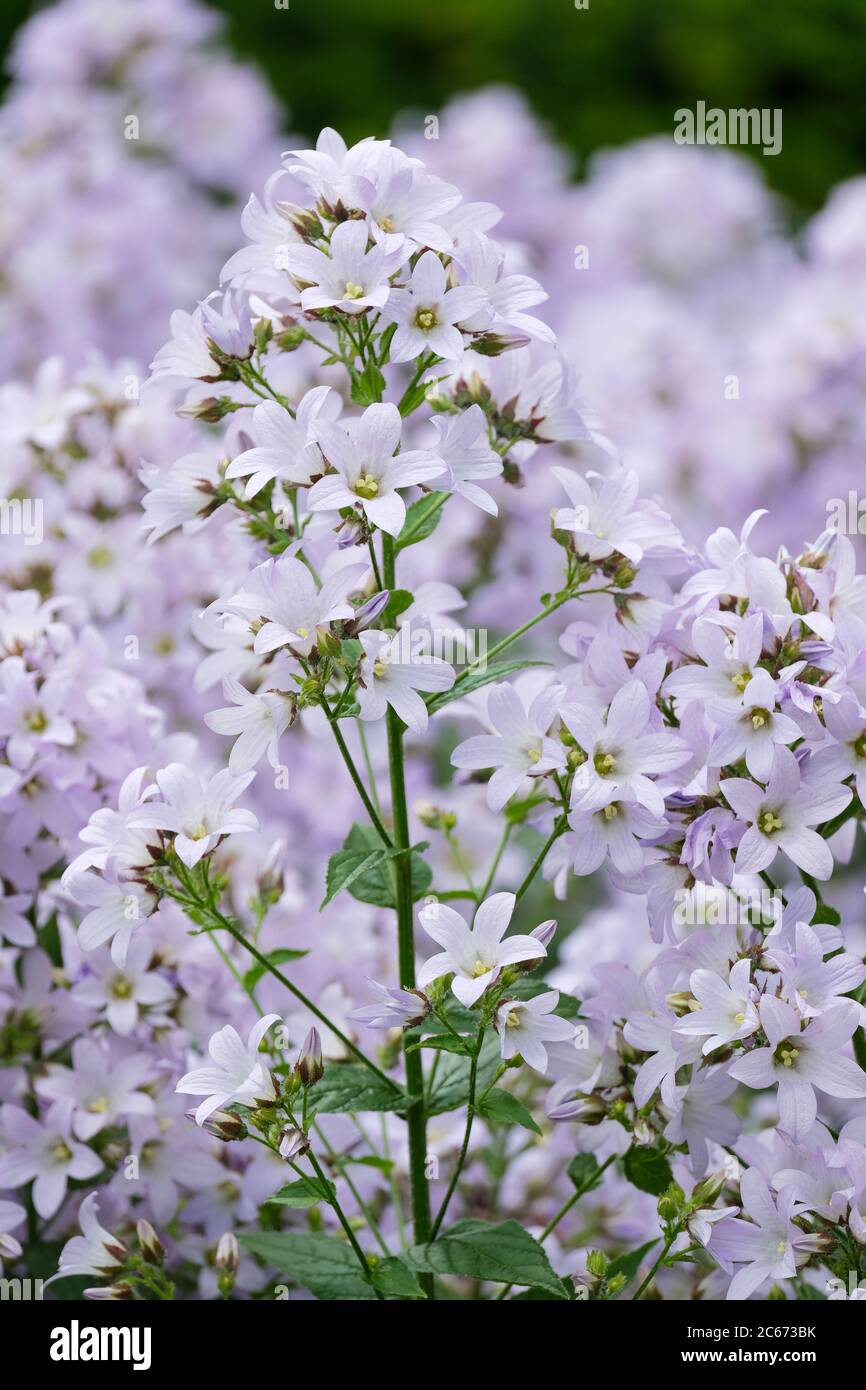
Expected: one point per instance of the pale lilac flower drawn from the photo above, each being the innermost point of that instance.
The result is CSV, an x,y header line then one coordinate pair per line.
x,y
197,812
426,313
507,296
727,664
368,475
117,905
847,724
519,748
814,983
464,449
609,518
11,1216
753,729
475,956
32,713
699,1115
45,1153
237,1072
525,1025
285,448
392,1007
769,1246
350,278
404,204
726,1011
259,718
393,672
622,753
181,496
782,816
801,1060
14,926
100,1086
296,608
219,323
614,830
125,994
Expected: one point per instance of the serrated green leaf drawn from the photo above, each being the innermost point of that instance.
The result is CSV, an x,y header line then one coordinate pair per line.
x,y
323,1264
422,518
393,1278
281,957
647,1169
451,1084
475,680
306,1192
584,1172
505,1109
630,1263
502,1252
376,883
350,1087
346,866
442,1042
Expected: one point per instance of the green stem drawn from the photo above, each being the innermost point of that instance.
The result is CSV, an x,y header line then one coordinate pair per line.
x,y
488,882
464,1147
355,775
342,1169
343,1220
558,829
565,1209
228,925
402,865
657,1266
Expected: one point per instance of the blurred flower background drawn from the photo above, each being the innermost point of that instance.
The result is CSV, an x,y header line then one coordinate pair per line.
x,y
712,301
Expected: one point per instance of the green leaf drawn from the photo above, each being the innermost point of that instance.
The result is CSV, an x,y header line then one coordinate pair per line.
x,y
629,1264
346,866
374,883
496,671
859,1044
502,1252
399,601
395,1279
422,518
350,1087
647,1169
583,1171
368,385
451,1086
306,1192
281,957
385,1165
443,1042
505,1109
323,1264
825,913
412,397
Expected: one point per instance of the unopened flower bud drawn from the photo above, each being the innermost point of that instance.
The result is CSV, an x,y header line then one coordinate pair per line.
x,y
367,613
227,1255
212,409
434,817
151,1246
113,1293
596,1262
545,932
222,1125
494,344
707,1191
310,1066
294,1143
10,1248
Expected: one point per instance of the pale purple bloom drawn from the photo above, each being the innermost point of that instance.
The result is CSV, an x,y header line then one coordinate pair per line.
x,y
236,1073
525,1025
475,956
426,313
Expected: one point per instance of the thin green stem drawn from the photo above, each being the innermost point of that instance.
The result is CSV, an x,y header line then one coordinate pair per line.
x,y
559,828
343,1220
488,882
355,775
342,1169
657,1266
402,867
464,1147
565,1209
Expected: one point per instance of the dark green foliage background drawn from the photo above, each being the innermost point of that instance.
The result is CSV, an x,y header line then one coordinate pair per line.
x,y
601,76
